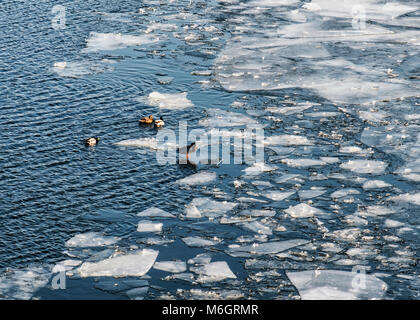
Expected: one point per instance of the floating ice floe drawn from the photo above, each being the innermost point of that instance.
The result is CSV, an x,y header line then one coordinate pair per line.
x,y
199,242
149,143
80,68
375,184
344,192
278,195
350,234
257,227
201,258
209,208
258,168
259,213
155,212
171,101
303,163
134,264
21,284
222,118
91,239
303,210
266,247
365,166
393,223
330,159
213,271
287,140
112,41
149,226
337,285
171,266
311,193
373,211
413,198
289,110
199,178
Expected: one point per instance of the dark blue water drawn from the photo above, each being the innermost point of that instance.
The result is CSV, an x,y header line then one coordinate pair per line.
x,y
54,188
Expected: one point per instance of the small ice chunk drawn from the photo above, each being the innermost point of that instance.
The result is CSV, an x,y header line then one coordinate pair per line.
x,y
287,140
214,271
365,166
201,258
199,178
258,227
268,247
134,264
149,226
171,266
311,193
393,223
375,184
258,168
137,293
303,163
278,195
91,239
350,234
259,213
336,285
407,197
198,242
155,212
330,159
112,41
191,211
344,192
303,210
171,101
373,211
209,208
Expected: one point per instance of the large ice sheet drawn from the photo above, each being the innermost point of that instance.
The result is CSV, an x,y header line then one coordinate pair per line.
x,y
337,285
133,264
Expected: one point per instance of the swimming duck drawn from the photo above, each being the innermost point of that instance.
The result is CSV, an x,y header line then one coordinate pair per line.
x,y
185,153
159,123
147,120
90,142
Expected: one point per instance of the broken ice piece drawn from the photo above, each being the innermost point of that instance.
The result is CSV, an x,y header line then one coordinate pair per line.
x,y
135,264
337,285
149,226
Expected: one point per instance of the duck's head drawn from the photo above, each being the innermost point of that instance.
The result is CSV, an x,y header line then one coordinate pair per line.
x,y
97,138
151,117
